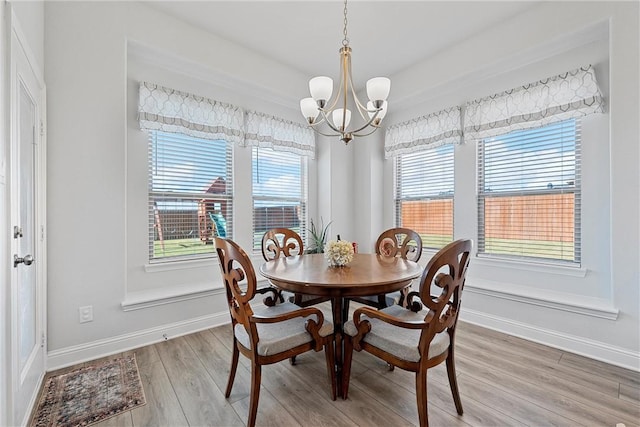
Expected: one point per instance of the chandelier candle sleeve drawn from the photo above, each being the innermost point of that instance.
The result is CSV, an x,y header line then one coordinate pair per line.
x,y
322,108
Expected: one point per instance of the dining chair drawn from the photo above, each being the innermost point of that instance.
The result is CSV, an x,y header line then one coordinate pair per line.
x,y
267,334
402,242
416,341
279,242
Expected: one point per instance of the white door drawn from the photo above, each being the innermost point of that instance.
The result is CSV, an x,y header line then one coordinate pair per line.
x,y
27,229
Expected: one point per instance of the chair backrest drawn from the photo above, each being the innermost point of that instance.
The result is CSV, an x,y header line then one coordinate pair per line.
x,y
281,241
402,242
236,267
446,270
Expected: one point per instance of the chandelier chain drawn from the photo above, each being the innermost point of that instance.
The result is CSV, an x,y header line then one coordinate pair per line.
x,y
345,41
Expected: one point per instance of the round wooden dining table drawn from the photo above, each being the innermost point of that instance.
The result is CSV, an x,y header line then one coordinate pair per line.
x,y
367,274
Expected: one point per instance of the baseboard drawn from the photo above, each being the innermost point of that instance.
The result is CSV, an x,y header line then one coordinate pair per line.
x,y
69,356
33,401
583,346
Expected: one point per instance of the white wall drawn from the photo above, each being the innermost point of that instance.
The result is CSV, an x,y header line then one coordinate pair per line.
x,y
94,51
98,170
4,214
545,41
30,18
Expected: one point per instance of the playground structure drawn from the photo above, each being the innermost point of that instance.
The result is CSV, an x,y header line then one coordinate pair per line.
x,y
209,219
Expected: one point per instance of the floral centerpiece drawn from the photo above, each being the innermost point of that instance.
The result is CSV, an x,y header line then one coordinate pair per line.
x,y
338,253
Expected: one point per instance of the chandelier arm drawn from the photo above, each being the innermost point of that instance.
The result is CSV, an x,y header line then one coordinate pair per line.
x,y
331,125
369,123
356,100
325,134
375,128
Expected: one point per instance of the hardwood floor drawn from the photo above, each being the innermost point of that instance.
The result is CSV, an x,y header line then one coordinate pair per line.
x,y
504,381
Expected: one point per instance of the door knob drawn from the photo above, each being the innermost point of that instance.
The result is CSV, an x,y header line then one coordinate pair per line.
x,y
27,260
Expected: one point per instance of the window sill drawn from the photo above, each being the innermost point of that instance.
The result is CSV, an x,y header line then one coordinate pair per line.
x,y
155,297
530,266
180,264
594,307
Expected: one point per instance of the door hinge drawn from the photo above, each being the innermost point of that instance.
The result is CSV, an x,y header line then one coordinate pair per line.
x,y
42,233
43,340
41,128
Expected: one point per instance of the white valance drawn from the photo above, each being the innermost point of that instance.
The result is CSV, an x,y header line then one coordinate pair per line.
x,y
569,95
425,132
169,110
262,130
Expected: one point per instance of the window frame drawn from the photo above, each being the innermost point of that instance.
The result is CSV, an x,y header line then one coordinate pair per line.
x,y
303,200
576,190
203,197
398,200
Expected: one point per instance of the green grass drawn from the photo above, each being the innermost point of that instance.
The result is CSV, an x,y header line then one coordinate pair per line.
x,y
180,247
531,248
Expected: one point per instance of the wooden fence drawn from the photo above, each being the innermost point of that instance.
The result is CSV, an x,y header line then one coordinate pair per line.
x,y
542,217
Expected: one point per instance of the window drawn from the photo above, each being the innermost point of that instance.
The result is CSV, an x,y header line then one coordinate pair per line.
x,y
424,194
279,192
529,193
190,195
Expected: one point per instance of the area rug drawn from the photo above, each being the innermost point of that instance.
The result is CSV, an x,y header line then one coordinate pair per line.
x,y
90,394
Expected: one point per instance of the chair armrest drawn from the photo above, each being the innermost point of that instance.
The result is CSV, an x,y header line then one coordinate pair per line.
x,y
312,326
364,326
415,324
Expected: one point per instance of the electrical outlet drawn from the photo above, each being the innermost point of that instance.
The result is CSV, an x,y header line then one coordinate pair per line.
x,y
85,314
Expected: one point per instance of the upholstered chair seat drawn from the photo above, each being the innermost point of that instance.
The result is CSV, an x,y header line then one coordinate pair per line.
x,y
414,339
269,333
398,341
278,337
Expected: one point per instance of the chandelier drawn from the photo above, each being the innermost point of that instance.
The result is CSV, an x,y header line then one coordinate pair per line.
x,y
334,112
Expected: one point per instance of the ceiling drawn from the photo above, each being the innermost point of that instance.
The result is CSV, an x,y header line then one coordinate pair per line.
x,y
386,36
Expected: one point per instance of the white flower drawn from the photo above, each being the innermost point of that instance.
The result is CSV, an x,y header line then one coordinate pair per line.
x,y
338,253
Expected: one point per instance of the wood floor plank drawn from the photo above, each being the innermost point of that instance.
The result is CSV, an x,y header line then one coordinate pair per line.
x,y
517,359
201,400
216,359
121,420
577,411
402,401
475,413
311,408
511,405
576,387
271,413
509,341
360,407
630,394
503,381
162,406
615,373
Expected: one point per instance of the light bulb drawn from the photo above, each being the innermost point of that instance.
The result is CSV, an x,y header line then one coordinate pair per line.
x,y
309,109
321,88
378,89
337,118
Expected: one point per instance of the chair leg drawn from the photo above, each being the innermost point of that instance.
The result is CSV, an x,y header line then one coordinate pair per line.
x,y
234,366
346,366
256,373
421,396
329,353
453,380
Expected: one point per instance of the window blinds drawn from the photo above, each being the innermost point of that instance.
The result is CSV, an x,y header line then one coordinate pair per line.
x,y
529,203
190,194
279,192
424,194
